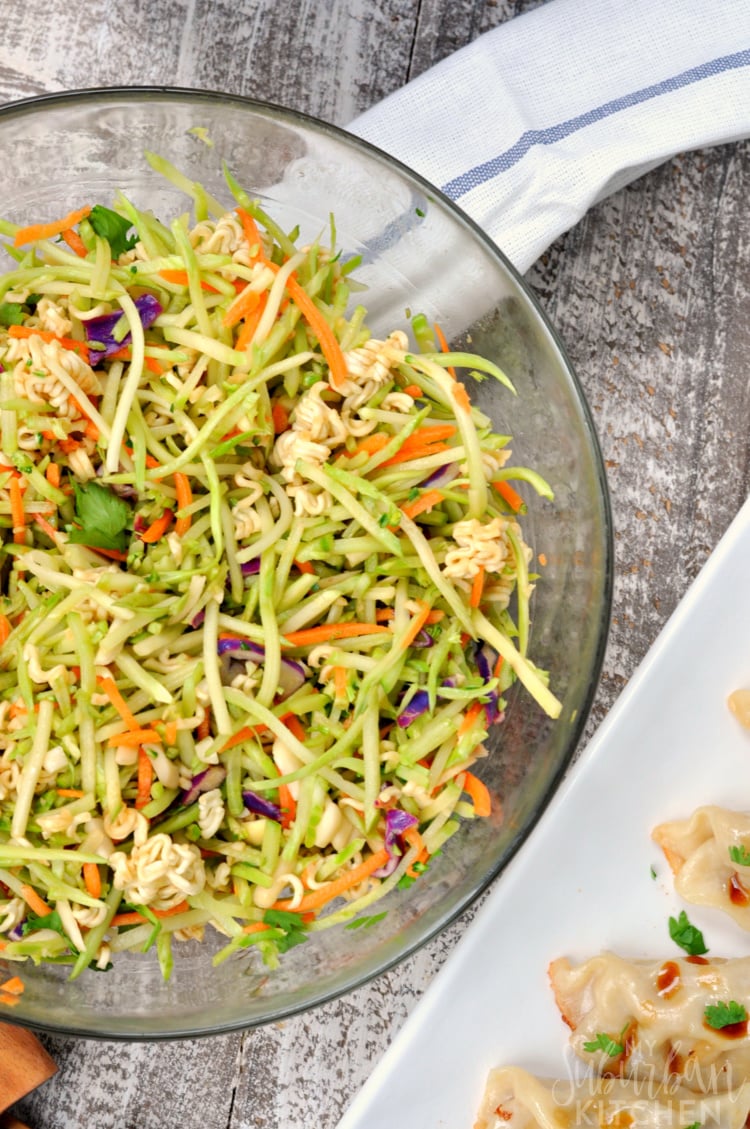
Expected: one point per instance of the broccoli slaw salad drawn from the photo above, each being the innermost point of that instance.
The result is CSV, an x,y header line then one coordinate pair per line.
x,y
263,587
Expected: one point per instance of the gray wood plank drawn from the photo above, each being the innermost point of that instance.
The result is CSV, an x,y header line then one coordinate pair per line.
x,y
649,293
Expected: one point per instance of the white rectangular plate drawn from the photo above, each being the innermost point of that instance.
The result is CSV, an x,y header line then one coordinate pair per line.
x,y
583,882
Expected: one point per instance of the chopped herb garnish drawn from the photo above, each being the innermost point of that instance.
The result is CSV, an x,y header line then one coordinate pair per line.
x,y
11,313
112,227
293,928
740,855
49,921
724,1014
606,1043
653,872
686,935
103,517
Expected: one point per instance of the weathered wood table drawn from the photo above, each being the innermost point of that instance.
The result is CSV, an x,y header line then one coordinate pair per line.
x,y
651,294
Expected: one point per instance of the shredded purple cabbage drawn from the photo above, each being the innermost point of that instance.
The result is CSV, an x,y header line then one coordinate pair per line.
x,y
205,781
396,822
99,331
256,803
225,645
442,476
418,705
251,568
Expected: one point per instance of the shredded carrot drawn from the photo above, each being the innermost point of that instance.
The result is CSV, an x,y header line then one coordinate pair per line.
x,y
287,805
145,778
7,999
184,499
5,628
424,441
151,462
414,391
34,902
250,324
462,397
74,241
67,446
317,898
424,502
542,558
309,636
295,727
170,733
243,305
406,454
384,615
417,623
110,689
180,278
339,683
255,927
131,737
17,511
70,793
124,354
280,417
93,879
511,496
157,529
252,234
242,735
444,346
468,719
37,231
414,839
480,796
370,445
153,365
135,918
66,342
329,345
477,588
304,566
431,433
15,986
435,616
498,667
111,554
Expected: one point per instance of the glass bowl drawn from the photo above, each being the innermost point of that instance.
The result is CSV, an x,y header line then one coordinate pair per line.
x,y
419,253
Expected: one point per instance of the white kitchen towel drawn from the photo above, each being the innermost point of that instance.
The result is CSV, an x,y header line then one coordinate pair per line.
x,y
534,122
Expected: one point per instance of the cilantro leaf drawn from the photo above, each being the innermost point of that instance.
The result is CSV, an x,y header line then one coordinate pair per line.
x,y
49,921
103,516
740,855
606,1043
695,1125
113,228
11,313
290,924
687,936
724,1014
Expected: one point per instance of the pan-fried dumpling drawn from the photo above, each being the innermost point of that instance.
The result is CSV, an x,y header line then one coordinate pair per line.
x,y
710,857
685,1018
514,1099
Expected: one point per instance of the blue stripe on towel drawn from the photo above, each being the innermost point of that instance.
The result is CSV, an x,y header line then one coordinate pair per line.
x,y
480,174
